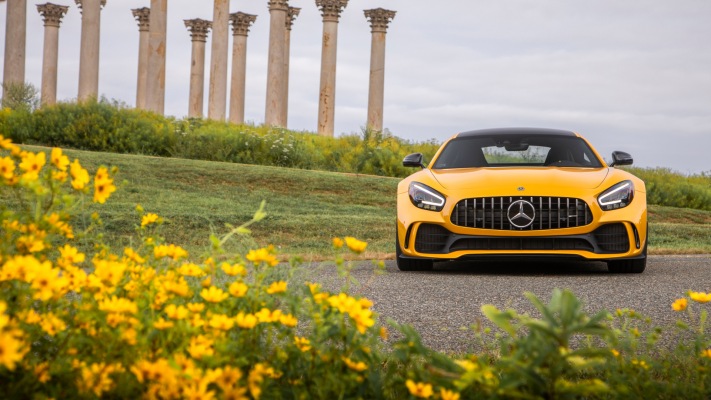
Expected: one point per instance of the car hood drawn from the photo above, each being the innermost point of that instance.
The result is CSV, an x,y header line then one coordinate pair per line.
x,y
511,179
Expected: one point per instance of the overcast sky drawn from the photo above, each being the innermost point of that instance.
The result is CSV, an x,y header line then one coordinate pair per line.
x,y
631,75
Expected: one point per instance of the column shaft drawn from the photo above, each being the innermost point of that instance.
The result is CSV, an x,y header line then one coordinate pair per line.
x,y
292,13
15,42
90,48
239,79
197,80
217,104
155,80
376,93
52,15
275,73
142,15
379,19
49,65
327,91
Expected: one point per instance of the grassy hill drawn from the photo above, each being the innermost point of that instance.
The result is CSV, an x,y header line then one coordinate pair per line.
x,y
305,208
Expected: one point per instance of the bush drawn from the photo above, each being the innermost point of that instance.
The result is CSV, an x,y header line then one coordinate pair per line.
x,y
152,321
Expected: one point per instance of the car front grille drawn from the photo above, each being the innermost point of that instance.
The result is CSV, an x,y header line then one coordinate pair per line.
x,y
551,213
431,239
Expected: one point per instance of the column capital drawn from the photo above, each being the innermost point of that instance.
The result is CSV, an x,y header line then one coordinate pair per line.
x,y
198,29
282,5
241,23
79,3
331,9
143,17
291,15
52,13
379,19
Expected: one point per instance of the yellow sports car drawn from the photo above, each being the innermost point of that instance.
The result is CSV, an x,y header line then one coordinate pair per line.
x,y
521,193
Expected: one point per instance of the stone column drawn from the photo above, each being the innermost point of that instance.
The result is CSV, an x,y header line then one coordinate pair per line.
x,y
379,19
198,32
290,18
331,12
217,104
240,29
143,17
15,42
273,114
90,46
52,15
157,42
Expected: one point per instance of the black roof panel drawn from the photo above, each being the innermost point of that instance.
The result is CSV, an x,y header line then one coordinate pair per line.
x,y
516,131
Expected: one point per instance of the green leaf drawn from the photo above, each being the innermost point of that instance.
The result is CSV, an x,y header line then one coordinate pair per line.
x,y
501,319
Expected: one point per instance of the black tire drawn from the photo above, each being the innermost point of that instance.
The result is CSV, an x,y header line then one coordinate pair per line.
x,y
410,264
636,266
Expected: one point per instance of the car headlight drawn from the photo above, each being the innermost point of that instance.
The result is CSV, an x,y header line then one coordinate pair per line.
x,y
423,196
618,196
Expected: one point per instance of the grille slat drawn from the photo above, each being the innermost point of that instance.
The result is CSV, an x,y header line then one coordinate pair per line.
x,y
551,213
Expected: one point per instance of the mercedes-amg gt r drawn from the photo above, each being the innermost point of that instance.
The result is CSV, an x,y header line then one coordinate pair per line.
x,y
521,193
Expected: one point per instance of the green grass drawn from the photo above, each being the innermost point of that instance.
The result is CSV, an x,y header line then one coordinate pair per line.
x,y
306,209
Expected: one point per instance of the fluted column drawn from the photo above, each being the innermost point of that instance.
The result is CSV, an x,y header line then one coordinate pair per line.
x,y
273,114
90,47
290,18
15,42
198,32
331,12
217,104
52,15
143,17
240,29
379,19
157,42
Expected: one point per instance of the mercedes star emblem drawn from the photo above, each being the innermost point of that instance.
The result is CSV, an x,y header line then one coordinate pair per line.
x,y
521,214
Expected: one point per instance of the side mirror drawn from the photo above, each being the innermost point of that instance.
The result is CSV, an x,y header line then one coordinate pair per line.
x,y
620,158
413,160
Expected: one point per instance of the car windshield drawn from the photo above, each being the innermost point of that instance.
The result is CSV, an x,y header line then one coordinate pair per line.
x,y
517,150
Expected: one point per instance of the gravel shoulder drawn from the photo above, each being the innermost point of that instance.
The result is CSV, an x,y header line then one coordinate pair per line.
x,y
444,303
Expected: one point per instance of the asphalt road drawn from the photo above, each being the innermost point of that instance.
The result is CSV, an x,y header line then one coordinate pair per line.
x,y
441,304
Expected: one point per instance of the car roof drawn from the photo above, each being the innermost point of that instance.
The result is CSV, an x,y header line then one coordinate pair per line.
x,y
516,131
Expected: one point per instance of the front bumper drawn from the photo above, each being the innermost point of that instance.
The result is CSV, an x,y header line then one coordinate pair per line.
x,y
611,235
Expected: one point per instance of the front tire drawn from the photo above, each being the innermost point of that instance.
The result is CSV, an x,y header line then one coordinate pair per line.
x,y
636,266
410,264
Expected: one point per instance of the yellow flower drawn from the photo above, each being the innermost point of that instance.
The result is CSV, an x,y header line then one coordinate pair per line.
x,y
263,255
119,305
700,297
706,353
196,307
7,168
419,389
277,287
355,245
80,177
176,312
11,350
448,394
359,366
191,269
32,164
200,346
103,186
58,159
162,324
246,321
302,343
679,304
229,377
238,289
288,320
149,219
172,251
221,322
233,270
213,294
337,243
